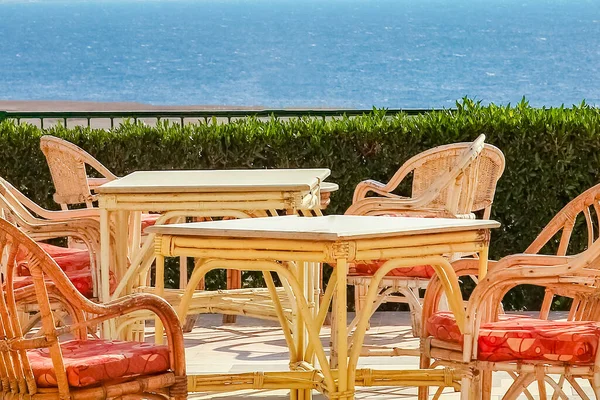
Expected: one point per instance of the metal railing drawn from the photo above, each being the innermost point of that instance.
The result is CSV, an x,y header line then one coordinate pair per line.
x,y
200,115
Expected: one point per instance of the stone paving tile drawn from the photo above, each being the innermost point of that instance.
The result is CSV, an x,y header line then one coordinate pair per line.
x,y
255,345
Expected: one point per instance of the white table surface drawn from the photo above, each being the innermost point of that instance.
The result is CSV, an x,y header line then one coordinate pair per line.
x,y
329,228
250,180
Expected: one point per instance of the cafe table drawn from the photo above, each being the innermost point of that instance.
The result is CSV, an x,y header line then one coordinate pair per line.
x,y
287,246
198,193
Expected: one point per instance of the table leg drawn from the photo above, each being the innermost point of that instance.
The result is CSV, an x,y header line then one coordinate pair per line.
x,y
299,328
483,262
341,310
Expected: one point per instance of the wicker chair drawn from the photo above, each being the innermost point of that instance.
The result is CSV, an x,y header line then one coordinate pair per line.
x,y
42,367
40,224
452,181
67,163
493,337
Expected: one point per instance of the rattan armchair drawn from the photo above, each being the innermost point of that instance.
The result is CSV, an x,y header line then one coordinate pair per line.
x,y
566,348
67,163
41,224
44,367
452,181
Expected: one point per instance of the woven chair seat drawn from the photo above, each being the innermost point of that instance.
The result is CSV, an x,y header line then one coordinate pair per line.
x,y
518,337
92,362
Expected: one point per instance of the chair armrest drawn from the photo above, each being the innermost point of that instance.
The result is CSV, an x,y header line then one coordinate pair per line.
x,y
85,229
514,270
98,166
25,202
364,187
93,183
398,205
125,305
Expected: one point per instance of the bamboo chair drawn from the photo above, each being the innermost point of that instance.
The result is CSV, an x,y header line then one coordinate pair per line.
x,y
452,181
73,187
80,265
41,224
42,367
67,163
575,276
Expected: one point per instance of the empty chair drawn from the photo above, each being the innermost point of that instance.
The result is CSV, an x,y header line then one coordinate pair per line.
x,y
67,163
528,348
80,264
451,181
47,367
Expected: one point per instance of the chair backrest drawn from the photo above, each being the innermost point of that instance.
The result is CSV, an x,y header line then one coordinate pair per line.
x,y
67,163
15,371
579,222
454,180
565,222
11,208
476,184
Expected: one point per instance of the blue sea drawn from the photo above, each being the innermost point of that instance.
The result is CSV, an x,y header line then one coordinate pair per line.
x,y
301,53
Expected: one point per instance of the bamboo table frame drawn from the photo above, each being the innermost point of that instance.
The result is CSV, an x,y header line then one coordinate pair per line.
x,y
199,193
288,246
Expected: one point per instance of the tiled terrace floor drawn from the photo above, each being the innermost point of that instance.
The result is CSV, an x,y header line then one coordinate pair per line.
x,y
253,345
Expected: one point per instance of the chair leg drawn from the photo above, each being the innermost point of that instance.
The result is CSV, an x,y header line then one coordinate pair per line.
x,y
333,359
424,363
411,296
486,385
466,388
542,388
360,292
234,281
190,320
595,382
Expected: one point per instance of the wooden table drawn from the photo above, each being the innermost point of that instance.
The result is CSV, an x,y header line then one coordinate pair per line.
x,y
199,193
287,246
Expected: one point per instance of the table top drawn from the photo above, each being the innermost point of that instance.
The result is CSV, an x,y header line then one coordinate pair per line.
x,y
249,180
329,228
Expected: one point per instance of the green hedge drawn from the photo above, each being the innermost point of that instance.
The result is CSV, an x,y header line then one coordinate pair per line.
x,y
551,155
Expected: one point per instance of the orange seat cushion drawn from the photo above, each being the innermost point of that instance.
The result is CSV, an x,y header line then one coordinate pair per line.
x,y
82,280
74,262
369,268
68,259
149,220
92,362
518,337
417,271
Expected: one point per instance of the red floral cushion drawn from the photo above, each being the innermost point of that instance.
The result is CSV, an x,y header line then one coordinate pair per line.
x,y
517,337
149,220
369,268
418,271
75,263
68,259
82,280
91,362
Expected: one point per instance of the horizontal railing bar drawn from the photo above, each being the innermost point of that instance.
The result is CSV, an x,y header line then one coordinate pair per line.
x,y
201,113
